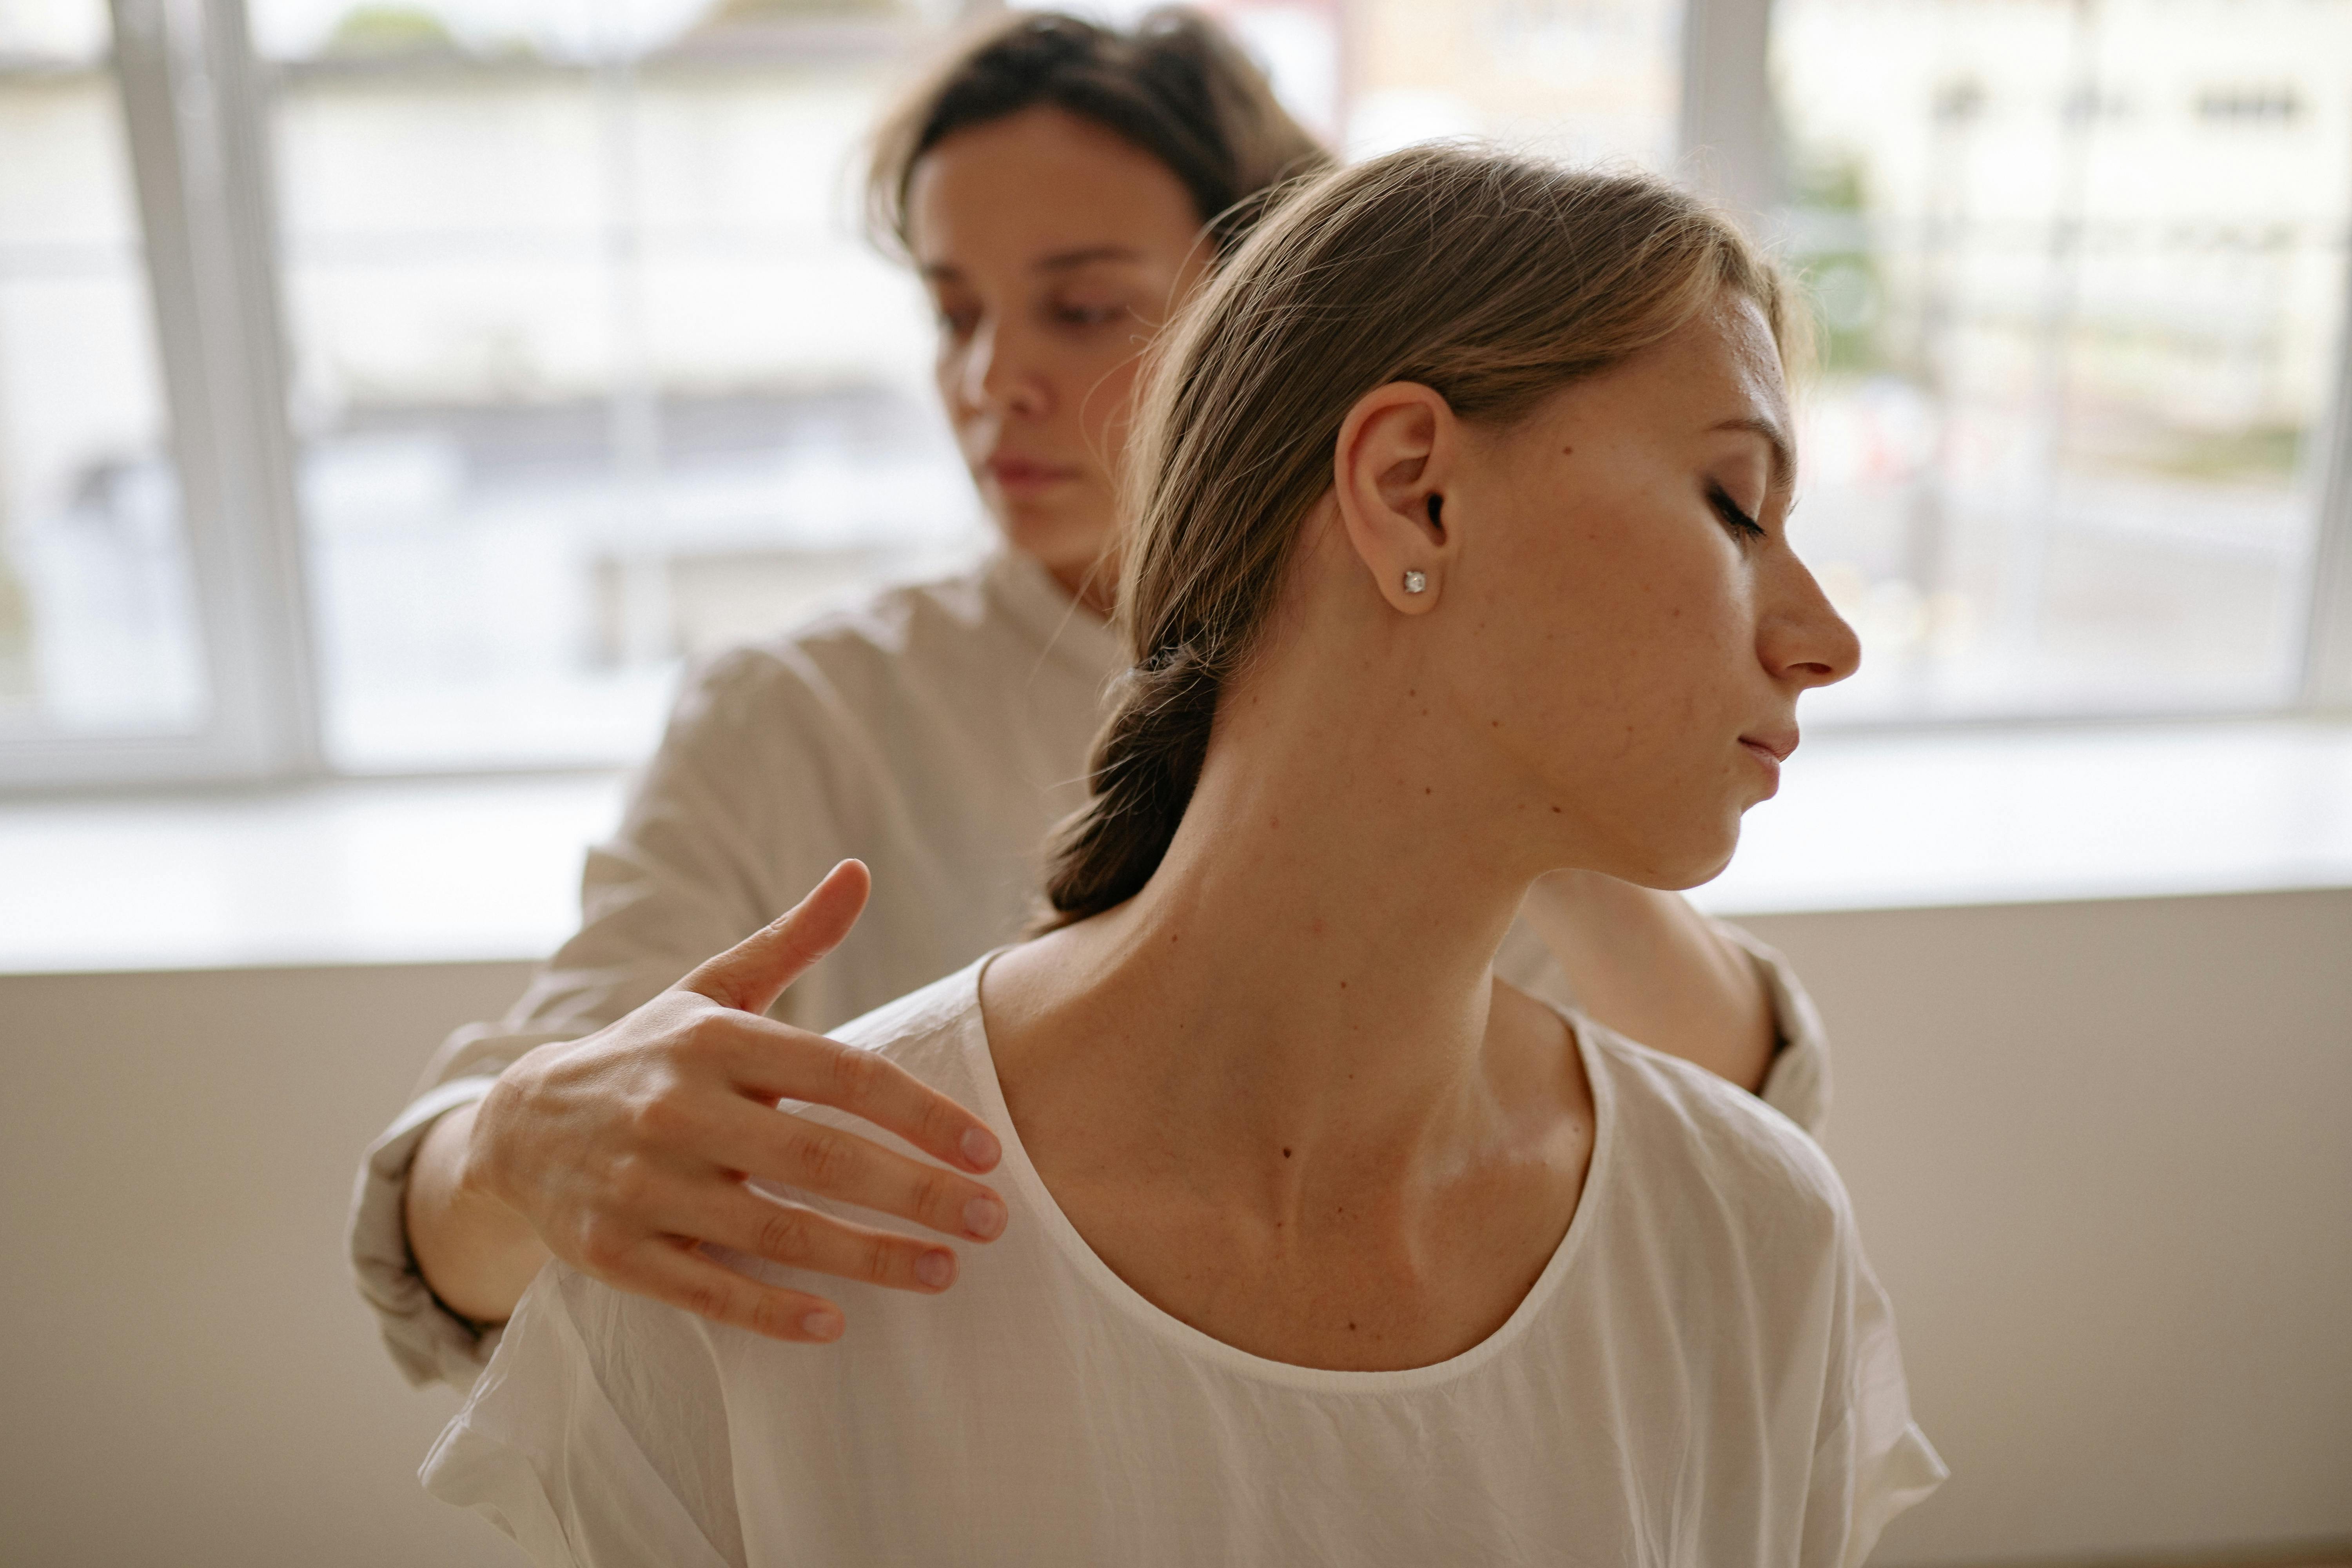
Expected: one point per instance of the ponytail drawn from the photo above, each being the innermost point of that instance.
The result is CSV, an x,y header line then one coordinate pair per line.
x,y
1146,762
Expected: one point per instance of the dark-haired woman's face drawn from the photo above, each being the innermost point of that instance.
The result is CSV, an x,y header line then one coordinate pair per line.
x,y
1052,250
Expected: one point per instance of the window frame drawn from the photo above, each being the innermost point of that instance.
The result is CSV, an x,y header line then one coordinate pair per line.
x,y
196,109
183,80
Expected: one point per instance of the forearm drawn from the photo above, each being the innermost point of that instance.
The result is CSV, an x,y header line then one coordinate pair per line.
x,y
478,1255
1656,971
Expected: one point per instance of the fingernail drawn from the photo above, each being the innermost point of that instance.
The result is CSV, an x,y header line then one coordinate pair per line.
x,y
936,1269
822,1325
983,1217
980,1148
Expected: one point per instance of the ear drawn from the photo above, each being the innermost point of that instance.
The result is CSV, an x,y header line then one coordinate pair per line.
x,y
1397,449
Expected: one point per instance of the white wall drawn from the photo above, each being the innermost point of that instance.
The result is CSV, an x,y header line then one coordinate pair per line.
x,y
2100,1151
2102,1155
188,1376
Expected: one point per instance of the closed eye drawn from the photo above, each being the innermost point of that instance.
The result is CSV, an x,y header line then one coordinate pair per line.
x,y
1743,527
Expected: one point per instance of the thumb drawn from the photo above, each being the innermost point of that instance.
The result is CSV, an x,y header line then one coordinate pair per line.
x,y
752,973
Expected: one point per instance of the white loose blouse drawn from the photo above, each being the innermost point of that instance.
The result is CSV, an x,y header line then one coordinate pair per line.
x,y
937,731
1705,1372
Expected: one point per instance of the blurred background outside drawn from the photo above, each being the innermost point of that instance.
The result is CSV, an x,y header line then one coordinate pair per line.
x,y
587,370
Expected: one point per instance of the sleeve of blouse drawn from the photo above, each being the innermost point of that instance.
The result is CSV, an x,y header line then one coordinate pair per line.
x,y
723,831
597,1437
1870,1461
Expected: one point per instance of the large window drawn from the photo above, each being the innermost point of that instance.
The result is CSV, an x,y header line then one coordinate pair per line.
x,y
415,384
590,371
2082,268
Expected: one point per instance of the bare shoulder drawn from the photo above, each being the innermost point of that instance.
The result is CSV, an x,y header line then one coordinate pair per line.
x,y
1027,983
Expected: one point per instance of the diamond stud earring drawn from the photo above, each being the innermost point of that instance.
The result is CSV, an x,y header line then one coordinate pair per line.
x,y
1414,582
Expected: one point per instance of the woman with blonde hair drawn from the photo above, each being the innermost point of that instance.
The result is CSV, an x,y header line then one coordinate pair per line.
x,y
1058,185
1459,558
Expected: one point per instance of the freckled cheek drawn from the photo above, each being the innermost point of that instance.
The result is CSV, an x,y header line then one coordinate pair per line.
x,y
1545,624
1636,651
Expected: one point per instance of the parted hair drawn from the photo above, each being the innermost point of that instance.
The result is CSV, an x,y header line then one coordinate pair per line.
x,y
1492,279
1175,86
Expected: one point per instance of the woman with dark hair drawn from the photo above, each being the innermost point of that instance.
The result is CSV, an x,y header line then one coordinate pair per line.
x,y
1458,558
1060,187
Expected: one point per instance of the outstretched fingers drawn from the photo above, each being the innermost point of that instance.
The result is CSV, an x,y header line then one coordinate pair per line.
x,y
800,1237
834,1162
771,1061
673,1269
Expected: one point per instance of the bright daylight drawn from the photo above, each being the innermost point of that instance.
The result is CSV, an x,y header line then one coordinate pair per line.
x,y
1281,781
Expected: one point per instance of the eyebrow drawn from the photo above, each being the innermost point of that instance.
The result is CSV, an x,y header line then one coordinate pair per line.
x,y
1784,455
1060,261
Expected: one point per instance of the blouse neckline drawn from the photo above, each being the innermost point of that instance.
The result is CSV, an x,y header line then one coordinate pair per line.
x,y
1599,1181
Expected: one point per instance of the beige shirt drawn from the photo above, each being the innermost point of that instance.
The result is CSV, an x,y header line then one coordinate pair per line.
x,y
936,733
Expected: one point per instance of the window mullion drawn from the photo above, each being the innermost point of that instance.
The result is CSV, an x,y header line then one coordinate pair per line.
x,y
278,581
2328,628
195,140
1726,143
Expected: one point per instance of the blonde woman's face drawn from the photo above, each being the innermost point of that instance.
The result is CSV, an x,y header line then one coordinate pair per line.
x,y
1053,251
1625,626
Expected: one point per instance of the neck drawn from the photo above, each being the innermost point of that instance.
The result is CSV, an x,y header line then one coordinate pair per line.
x,y
1307,972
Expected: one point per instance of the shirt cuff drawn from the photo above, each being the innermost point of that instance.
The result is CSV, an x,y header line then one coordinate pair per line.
x,y
427,1342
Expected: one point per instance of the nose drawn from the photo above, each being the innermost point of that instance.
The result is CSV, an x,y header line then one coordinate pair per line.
x,y
1802,638
1000,374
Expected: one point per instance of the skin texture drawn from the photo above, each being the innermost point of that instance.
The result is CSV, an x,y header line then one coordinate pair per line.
x,y
1052,250
1279,1091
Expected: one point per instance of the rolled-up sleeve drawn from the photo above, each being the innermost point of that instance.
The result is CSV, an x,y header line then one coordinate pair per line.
x,y
1871,1461
428,1342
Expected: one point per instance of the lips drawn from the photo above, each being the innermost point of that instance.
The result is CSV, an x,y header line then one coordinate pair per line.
x,y
1770,750
1027,473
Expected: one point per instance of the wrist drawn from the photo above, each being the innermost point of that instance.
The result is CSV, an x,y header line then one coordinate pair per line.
x,y
474,1250
471,1169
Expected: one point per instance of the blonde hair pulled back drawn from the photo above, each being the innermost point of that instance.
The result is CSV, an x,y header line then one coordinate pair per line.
x,y
1492,279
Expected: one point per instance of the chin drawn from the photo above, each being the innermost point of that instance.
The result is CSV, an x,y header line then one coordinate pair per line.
x,y
1051,535
1688,866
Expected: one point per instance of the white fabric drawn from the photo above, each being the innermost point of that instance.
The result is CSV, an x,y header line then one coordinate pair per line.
x,y
1705,1372
936,731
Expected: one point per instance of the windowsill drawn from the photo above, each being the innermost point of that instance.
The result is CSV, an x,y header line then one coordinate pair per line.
x,y
487,869
376,871
2052,814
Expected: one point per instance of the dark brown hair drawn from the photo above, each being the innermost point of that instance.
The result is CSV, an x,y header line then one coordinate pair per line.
x,y
1493,280
1175,86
